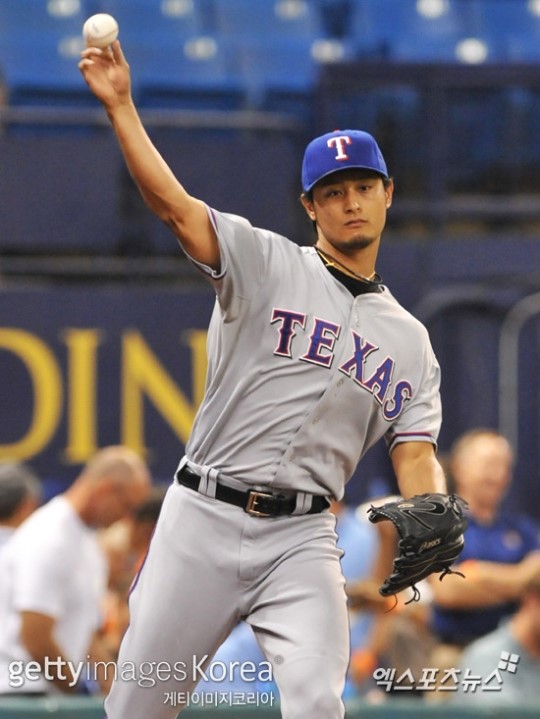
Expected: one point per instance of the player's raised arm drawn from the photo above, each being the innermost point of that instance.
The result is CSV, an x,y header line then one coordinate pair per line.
x,y
106,72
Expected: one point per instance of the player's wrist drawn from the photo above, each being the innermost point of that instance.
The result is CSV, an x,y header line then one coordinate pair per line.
x,y
120,105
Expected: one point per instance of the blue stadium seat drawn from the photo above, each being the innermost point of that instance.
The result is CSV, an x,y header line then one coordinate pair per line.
x,y
40,43
513,27
281,74
162,20
201,72
335,16
279,18
459,49
26,17
401,27
175,61
46,75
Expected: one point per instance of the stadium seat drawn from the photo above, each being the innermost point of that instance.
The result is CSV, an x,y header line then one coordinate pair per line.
x,y
48,75
457,49
175,61
297,19
281,74
422,29
26,17
201,72
40,43
335,16
513,27
162,20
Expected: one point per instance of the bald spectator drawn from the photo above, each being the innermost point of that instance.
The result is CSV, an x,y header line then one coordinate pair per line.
x,y
20,495
54,577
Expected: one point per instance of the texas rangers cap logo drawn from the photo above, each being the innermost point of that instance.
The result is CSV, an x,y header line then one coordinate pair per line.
x,y
340,143
340,150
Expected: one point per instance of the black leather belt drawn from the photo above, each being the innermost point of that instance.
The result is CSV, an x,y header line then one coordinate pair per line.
x,y
254,502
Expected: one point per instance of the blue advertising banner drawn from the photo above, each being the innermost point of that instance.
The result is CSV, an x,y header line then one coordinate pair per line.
x,y
84,368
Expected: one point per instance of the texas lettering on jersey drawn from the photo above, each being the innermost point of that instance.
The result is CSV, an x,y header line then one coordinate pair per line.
x,y
320,351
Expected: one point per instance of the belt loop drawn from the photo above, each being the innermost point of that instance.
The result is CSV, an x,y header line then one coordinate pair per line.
x,y
182,464
303,503
208,483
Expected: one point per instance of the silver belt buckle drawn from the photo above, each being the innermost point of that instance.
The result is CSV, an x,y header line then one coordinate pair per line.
x,y
251,503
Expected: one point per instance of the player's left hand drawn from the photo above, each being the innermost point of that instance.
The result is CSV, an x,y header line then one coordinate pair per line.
x,y
430,528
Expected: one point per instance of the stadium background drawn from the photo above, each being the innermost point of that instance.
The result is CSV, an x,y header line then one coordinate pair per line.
x,y
101,318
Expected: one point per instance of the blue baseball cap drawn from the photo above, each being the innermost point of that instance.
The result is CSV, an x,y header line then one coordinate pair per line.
x,y
340,150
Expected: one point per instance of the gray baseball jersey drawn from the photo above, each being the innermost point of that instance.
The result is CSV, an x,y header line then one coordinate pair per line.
x,y
304,378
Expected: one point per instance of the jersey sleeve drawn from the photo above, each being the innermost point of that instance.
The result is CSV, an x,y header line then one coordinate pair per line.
x,y
421,418
244,253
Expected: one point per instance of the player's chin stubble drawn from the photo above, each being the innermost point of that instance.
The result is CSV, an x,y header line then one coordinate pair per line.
x,y
353,244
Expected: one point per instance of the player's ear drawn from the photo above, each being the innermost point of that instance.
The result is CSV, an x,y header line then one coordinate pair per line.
x,y
389,192
307,202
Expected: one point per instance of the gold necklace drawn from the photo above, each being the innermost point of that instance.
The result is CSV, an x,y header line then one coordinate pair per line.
x,y
332,262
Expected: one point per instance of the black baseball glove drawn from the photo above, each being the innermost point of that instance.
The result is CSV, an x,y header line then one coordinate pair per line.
x,y
430,528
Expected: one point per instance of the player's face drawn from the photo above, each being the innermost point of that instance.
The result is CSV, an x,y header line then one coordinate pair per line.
x,y
349,208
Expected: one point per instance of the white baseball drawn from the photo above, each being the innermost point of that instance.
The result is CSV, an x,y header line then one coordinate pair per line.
x,y
100,30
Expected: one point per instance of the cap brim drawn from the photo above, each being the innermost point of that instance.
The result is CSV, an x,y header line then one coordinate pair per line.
x,y
342,169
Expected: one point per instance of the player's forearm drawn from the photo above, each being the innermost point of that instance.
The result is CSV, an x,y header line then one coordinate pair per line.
x,y
155,180
185,215
417,469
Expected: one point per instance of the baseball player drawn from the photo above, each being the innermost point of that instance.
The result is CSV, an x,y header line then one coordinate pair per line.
x,y
311,361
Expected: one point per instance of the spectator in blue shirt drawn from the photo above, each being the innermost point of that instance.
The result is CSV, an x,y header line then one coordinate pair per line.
x,y
501,551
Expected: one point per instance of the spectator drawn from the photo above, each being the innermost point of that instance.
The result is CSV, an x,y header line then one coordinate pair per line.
x,y
115,543
501,548
142,524
399,636
359,540
20,495
500,555
125,544
510,655
54,575
499,559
